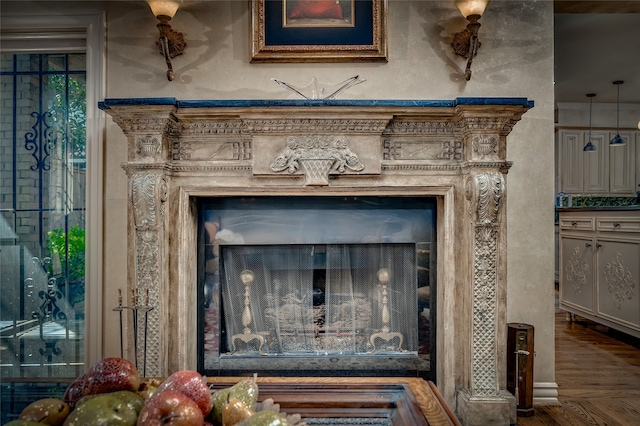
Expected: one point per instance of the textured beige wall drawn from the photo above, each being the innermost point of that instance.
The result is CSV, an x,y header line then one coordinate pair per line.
x,y
516,60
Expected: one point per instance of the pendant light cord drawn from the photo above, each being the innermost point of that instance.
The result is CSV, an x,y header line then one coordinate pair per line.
x,y
618,119
590,113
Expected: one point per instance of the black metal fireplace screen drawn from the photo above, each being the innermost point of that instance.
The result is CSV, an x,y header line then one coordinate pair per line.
x,y
317,285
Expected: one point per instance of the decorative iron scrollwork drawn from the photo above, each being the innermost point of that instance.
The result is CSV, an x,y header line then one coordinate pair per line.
x,y
41,143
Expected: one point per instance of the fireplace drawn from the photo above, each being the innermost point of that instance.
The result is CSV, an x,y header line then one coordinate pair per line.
x,y
317,286
186,156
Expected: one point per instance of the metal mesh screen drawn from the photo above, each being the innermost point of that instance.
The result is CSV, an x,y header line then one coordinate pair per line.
x,y
320,299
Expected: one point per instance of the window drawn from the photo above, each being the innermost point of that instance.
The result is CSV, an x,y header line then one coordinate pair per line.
x,y
42,201
50,208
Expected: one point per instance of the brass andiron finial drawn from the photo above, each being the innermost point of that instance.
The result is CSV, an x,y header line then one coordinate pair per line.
x,y
247,335
384,276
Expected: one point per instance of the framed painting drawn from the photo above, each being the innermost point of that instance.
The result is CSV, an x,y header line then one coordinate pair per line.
x,y
318,31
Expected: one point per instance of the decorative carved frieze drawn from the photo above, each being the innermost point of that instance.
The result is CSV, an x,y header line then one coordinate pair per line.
x,y
419,127
416,150
211,150
494,124
317,156
315,125
212,168
141,124
449,168
213,127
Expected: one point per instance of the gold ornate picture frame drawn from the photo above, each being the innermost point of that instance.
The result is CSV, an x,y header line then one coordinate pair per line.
x,y
318,31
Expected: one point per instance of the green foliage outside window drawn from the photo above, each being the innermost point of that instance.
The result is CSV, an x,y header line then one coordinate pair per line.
x,y
72,262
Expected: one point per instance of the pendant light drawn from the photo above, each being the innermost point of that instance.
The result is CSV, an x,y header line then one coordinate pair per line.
x,y
590,147
617,139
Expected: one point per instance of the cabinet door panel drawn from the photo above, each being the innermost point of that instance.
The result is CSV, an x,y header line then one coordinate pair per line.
x,y
596,164
570,161
622,172
577,272
618,278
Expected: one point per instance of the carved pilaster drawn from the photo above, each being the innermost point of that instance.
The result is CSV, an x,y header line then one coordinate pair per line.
x,y
485,263
485,402
485,191
149,193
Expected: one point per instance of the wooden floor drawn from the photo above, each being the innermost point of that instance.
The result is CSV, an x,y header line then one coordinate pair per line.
x,y
598,377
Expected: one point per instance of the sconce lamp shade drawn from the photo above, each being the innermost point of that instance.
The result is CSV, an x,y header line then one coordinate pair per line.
x,y
471,7
164,7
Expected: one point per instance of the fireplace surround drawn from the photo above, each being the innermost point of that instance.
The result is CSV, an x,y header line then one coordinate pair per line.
x,y
180,152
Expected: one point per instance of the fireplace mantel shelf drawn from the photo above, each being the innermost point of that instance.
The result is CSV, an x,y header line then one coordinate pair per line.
x,y
118,102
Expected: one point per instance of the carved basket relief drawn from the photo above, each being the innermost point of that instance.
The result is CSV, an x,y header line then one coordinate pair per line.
x,y
317,156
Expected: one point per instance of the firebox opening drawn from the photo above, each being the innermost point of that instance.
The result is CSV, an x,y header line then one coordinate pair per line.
x,y
317,285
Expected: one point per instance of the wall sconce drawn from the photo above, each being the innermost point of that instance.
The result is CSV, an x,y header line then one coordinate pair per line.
x,y
617,139
171,43
590,147
465,43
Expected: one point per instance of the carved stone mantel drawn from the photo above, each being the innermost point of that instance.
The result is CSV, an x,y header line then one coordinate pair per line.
x,y
453,150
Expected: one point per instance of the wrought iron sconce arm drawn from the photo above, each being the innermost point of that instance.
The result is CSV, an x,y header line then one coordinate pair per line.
x,y
466,44
171,43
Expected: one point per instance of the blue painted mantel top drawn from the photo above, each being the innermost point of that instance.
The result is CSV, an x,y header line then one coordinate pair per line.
x,y
119,102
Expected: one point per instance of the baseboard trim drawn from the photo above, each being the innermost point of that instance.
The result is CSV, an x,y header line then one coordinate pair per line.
x,y
545,393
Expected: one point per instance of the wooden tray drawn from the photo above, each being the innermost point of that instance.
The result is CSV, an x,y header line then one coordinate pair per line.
x,y
390,401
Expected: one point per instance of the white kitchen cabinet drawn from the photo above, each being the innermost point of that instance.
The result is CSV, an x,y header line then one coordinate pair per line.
x,y
570,166
610,170
623,168
600,265
596,163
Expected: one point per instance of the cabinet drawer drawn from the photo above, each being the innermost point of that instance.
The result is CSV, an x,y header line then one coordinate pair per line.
x,y
577,223
618,224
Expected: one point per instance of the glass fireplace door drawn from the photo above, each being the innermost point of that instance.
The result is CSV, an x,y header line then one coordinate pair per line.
x,y
318,299
289,284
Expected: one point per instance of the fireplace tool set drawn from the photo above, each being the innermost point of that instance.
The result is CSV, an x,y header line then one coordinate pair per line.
x,y
136,309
